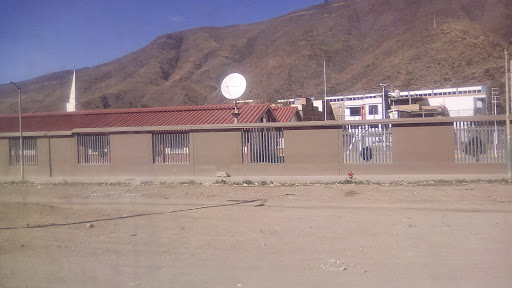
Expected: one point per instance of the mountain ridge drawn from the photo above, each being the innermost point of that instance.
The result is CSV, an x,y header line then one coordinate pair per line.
x,y
364,43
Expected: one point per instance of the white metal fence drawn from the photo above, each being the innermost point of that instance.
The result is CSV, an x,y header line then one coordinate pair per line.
x,y
367,144
94,149
480,141
171,148
262,145
29,152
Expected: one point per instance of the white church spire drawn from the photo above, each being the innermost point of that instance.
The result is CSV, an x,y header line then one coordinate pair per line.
x,y
71,106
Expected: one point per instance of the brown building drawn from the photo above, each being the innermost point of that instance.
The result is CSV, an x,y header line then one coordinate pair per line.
x,y
307,110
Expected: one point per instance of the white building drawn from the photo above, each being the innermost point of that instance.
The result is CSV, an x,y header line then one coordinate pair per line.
x,y
357,107
464,101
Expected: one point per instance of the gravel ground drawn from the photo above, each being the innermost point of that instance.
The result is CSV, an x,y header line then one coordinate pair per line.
x,y
136,233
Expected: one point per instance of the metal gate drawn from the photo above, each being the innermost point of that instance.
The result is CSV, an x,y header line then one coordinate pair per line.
x,y
262,145
367,144
480,141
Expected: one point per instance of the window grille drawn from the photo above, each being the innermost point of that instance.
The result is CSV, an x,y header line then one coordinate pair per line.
x,y
94,149
29,152
480,141
263,145
367,144
171,148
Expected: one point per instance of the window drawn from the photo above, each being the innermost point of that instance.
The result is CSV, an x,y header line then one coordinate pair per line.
x,y
355,111
373,109
29,152
94,149
171,148
263,145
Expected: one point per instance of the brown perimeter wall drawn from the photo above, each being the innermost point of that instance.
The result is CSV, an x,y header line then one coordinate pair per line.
x,y
317,150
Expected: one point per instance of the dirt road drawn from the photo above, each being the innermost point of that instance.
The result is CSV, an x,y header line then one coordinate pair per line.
x,y
232,236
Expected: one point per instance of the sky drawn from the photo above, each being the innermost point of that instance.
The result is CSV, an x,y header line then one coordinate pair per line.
x,y
43,36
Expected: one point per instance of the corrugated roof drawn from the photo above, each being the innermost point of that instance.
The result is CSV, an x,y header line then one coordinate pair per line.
x,y
140,117
285,113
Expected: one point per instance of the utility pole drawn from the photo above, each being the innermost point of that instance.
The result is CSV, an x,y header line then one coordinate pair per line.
x,y
494,101
325,95
384,110
495,94
508,66
22,164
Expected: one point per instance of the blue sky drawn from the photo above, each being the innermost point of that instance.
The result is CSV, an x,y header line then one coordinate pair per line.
x,y
39,37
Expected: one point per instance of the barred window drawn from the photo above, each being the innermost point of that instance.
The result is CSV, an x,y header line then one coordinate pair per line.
x,y
94,149
367,144
171,148
480,141
29,152
263,145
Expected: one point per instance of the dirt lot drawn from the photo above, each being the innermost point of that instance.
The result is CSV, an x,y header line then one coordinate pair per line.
x,y
456,235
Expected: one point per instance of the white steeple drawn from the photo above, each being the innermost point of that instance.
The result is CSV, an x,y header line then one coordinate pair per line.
x,y
70,107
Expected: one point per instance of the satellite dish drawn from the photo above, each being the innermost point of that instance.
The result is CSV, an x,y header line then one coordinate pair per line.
x,y
233,86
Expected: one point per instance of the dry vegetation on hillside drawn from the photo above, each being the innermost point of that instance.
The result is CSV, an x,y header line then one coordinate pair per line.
x,y
364,42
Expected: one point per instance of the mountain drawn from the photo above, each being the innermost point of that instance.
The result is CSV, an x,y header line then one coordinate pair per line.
x,y
364,43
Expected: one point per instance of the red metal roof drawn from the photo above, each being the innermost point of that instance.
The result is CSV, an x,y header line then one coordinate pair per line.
x,y
139,117
286,113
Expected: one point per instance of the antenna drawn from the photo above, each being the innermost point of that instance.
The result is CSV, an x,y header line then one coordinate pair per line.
x,y
232,87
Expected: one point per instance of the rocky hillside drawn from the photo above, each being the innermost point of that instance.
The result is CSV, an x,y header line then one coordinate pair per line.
x,y
365,42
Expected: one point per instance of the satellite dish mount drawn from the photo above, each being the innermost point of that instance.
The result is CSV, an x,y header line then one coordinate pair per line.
x,y
232,87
